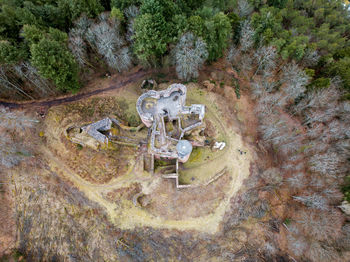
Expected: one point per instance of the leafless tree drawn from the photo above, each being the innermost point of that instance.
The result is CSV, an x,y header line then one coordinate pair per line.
x,y
11,84
316,147
105,37
246,64
333,194
104,17
15,120
292,145
328,164
130,12
297,180
343,147
320,252
9,152
310,58
320,115
338,130
297,245
272,128
233,55
344,240
319,99
244,8
247,36
189,55
259,88
315,130
29,74
313,201
78,46
321,225
269,104
272,176
82,24
265,57
344,110
295,80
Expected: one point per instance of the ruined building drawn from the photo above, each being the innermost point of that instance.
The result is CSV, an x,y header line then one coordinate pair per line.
x,y
173,128
169,120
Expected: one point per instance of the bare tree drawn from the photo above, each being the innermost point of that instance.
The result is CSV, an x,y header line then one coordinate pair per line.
x,y
310,58
233,55
259,88
15,120
82,24
319,99
295,80
189,55
344,111
105,37
268,104
246,64
247,36
29,74
265,57
316,147
272,176
328,164
319,252
130,12
313,201
273,128
292,145
77,46
297,245
11,153
320,115
297,180
244,8
293,167
344,240
321,225
11,84
343,147
338,130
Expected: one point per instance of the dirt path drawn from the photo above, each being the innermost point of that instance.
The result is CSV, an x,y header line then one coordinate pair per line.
x,y
136,76
116,84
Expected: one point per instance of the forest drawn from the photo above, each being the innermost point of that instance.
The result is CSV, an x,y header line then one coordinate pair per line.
x,y
49,47
293,55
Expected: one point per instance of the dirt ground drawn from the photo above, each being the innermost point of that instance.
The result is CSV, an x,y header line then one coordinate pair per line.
x,y
7,218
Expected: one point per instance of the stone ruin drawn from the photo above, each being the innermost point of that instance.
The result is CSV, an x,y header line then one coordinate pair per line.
x,y
169,120
159,108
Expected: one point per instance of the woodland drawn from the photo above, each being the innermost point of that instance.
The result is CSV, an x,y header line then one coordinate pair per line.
x,y
295,57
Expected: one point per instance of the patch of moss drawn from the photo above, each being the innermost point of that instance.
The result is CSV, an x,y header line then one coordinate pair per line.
x,y
160,163
346,189
195,155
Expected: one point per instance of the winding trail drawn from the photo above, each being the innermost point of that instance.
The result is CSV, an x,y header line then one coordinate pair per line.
x,y
136,76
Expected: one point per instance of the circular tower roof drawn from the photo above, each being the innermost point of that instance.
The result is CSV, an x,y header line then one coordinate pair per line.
x,y
184,148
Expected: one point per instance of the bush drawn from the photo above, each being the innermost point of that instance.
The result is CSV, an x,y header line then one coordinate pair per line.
x,y
346,189
116,13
